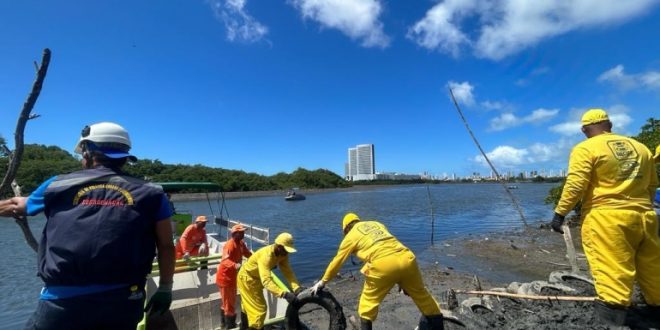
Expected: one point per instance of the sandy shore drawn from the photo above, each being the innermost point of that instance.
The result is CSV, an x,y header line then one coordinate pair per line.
x,y
491,261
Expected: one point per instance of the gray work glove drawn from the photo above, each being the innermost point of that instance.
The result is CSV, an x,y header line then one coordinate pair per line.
x,y
289,296
161,300
556,223
317,286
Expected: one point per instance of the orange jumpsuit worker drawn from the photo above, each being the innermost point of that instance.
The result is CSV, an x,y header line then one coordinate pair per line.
x,y
255,275
232,255
614,176
193,240
387,262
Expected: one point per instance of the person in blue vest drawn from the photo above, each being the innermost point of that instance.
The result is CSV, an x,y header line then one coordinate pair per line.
x,y
101,235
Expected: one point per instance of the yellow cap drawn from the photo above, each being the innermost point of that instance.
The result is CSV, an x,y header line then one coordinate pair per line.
x,y
657,154
201,218
593,116
286,240
348,218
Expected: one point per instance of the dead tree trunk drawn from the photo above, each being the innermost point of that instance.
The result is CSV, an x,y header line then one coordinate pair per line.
x,y
16,155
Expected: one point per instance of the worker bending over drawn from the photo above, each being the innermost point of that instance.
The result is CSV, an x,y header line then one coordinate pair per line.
x,y
387,262
232,256
255,275
193,240
614,176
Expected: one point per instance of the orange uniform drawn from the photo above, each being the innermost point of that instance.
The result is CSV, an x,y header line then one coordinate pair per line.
x,y
232,255
190,241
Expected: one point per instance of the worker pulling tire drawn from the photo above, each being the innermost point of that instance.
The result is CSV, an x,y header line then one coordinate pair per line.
x,y
322,298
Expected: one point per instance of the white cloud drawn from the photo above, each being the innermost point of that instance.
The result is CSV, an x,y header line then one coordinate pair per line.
x,y
239,24
462,92
505,156
358,19
506,27
496,105
625,82
618,114
508,120
508,157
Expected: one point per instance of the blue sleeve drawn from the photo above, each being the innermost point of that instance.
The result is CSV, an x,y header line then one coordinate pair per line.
x,y
165,211
35,202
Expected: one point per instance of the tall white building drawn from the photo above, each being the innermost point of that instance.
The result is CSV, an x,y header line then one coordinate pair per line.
x,y
361,163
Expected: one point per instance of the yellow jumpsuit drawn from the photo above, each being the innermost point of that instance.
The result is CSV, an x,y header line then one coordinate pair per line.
x,y
254,276
387,262
614,177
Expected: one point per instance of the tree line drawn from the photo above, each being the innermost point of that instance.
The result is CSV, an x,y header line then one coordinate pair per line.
x,y
41,162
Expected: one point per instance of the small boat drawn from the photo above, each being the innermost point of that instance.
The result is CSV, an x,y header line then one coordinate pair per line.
x,y
511,187
292,195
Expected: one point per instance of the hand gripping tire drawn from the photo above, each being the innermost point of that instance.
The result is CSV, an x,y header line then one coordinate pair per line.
x,y
322,298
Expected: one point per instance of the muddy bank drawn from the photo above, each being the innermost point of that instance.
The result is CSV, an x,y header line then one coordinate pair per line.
x,y
486,262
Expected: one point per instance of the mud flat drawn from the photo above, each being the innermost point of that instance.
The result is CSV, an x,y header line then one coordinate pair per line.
x,y
519,262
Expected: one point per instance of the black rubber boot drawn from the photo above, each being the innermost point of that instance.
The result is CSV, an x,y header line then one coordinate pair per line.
x,y
223,320
244,322
436,322
231,321
365,324
610,314
652,315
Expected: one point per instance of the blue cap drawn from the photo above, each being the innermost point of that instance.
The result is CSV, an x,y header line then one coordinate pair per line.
x,y
112,152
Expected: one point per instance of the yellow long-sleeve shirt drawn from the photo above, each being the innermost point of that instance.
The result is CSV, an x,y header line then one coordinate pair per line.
x,y
609,171
369,240
260,264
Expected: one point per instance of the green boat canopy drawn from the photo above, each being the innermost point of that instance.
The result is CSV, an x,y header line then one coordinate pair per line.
x,y
179,186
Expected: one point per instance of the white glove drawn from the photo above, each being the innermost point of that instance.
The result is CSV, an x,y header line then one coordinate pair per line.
x,y
202,249
318,286
237,265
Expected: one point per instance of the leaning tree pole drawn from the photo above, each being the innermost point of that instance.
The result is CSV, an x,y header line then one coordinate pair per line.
x,y
16,155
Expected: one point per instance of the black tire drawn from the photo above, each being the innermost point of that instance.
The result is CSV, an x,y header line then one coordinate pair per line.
x,y
324,299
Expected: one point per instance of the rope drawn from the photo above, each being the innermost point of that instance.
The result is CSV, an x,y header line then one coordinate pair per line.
x,y
499,178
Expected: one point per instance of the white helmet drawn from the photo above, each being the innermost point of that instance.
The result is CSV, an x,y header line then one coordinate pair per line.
x,y
112,139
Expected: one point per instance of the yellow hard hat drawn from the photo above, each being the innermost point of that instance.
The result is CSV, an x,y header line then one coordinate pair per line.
x,y
657,154
593,116
348,218
286,240
201,218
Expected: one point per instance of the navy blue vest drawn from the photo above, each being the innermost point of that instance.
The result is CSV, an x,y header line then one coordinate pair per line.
x,y
100,229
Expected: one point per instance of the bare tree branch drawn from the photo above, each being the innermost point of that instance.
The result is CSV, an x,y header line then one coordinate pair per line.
x,y
22,221
15,157
17,154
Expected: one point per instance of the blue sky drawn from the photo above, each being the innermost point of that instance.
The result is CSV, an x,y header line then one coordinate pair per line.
x,y
269,86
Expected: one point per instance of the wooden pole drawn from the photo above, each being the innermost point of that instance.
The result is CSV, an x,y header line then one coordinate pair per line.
x,y
526,296
499,179
428,193
570,249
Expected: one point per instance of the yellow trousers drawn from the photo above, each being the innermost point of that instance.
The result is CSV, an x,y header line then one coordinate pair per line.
x,y
622,246
253,302
382,274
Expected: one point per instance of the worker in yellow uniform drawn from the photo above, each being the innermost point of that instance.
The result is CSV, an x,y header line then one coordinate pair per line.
x,y
614,176
386,262
255,275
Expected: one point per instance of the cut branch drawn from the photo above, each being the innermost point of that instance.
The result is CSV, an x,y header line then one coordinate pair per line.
x,y
527,296
15,157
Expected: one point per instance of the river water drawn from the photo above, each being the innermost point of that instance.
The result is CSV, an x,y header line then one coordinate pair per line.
x,y
459,210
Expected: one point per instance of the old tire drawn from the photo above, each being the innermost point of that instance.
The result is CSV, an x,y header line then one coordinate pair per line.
x,y
324,299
